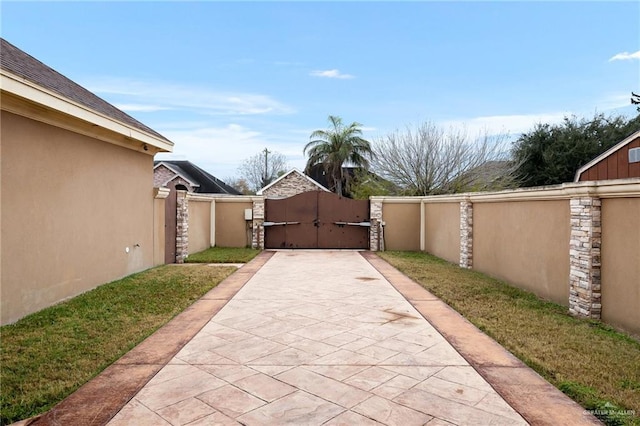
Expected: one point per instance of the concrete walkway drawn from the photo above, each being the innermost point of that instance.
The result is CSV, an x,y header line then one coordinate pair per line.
x,y
324,338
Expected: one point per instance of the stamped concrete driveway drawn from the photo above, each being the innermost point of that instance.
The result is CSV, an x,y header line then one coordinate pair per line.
x,y
318,338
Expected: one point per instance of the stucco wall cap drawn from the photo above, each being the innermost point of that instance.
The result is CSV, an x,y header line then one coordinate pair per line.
x,y
162,192
617,188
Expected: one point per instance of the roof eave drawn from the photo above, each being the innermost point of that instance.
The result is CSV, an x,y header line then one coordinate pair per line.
x,y
22,88
605,154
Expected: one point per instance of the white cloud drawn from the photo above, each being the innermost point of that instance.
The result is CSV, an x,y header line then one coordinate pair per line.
x,y
153,96
221,150
513,125
614,101
331,74
219,144
625,56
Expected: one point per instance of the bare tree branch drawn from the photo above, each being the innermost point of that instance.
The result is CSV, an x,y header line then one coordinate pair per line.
x,y
258,173
427,160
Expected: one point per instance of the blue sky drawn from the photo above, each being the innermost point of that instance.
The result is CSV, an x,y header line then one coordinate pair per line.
x,y
224,80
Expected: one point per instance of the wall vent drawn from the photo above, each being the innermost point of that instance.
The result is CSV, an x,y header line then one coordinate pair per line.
x,y
634,155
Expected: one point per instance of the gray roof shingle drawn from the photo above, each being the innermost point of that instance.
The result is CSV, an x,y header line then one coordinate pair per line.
x,y
29,68
209,184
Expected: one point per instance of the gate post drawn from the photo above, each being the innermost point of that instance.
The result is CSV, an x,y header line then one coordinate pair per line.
x,y
257,228
375,209
182,226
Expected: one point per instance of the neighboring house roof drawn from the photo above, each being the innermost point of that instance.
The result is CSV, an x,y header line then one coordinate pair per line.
x,y
202,181
606,154
490,169
296,171
487,175
21,72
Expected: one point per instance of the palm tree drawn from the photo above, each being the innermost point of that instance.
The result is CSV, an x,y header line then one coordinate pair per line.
x,y
334,147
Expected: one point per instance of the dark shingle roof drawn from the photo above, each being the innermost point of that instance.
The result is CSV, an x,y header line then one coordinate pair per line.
x,y
209,184
26,66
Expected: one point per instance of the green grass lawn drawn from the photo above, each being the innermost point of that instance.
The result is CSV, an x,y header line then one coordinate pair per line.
x,y
223,255
47,355
592,363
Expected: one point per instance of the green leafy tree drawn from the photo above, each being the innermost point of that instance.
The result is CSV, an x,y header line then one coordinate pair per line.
x,y
551,154
336,146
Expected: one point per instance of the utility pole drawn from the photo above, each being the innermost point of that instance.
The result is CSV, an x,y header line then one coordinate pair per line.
x,y
265,179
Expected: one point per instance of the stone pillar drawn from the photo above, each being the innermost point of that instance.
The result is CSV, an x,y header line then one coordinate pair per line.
x,y
375,231
257,227
584,254
466,234
182,226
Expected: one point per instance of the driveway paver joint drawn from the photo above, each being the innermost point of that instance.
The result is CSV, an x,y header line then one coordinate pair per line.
x,y
318,337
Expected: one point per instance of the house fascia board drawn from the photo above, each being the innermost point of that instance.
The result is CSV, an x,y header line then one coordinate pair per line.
x,y
294,170
605,154
24,89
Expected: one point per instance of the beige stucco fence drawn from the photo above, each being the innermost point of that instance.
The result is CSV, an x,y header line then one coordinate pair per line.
x,y
219,220
574,244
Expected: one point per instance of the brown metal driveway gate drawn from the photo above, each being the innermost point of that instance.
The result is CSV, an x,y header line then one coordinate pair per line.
x,y
317,220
